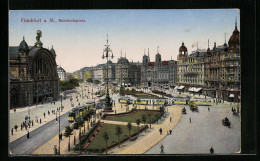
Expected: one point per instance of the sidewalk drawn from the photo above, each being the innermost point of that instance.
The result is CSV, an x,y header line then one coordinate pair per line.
x,y
151,139
67,107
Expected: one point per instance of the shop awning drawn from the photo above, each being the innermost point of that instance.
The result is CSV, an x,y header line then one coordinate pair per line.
x,y
176,87
231,95
181,87
197,89
192,89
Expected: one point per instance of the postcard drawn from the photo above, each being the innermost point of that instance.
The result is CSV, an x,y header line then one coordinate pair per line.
x,y
124,82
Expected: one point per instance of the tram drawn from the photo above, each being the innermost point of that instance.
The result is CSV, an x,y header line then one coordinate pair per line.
x,y
80,112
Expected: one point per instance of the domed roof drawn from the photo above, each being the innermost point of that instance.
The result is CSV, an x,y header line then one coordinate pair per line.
x,y
53,51
122,60
234,39
23,46
182,48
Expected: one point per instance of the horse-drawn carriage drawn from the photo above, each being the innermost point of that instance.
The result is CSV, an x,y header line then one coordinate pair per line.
x,y
193,106
226,122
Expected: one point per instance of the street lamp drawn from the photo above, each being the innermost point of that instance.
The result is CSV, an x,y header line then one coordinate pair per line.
x,y
108,54
59,124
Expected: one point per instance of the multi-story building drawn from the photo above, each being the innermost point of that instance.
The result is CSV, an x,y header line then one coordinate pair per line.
x,y
222,76
32,74
88,73
61,73
110,67
158,74
127,72
191,68
98,73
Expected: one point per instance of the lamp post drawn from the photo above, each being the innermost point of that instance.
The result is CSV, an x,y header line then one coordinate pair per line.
x,y
108,54
59,124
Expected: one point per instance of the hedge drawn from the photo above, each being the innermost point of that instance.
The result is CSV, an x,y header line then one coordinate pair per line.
x,y
132,110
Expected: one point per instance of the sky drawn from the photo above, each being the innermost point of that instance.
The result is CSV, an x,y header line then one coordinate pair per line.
x,y
81,44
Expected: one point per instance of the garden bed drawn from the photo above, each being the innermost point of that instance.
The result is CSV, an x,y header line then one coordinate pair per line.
x,y
97,144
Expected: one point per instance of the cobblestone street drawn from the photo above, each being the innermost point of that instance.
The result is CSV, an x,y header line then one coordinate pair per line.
x,y
204,131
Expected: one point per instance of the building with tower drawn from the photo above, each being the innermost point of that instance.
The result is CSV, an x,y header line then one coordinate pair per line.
x,y
191,68
159,74
222,71
32,73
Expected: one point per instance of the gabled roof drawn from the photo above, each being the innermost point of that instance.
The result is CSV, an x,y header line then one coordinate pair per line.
x,y
151,64
165,62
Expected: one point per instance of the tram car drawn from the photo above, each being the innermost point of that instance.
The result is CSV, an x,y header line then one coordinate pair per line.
x,y
142,102
101,93
77,113
180,101
125,100
160,101
201,102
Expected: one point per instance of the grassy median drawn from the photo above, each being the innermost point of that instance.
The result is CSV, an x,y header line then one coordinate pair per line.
x,y
151,116
99,142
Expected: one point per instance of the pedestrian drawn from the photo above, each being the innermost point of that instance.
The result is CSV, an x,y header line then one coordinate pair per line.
x,y
170,132
170,119
211,150
12,131
32,122
44,114
14,109
48,112
37,120
28,135
56,119
25,127
40,120
162,147
190,119
208,109
21,126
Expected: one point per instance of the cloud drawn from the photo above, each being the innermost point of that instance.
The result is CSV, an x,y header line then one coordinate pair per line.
x,y
186,30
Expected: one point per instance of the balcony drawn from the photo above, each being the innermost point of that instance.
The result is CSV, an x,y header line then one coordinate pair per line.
x,y
190,74
232,58
211,79
214,66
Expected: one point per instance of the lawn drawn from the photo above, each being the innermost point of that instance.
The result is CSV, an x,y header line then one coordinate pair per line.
x,y
99,142
132,117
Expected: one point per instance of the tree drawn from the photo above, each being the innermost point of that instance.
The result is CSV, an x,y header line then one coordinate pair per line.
x,y
96,81
90,80
144,119
149,115
106,138
75,125
80,124
138,121
118,133
129,126
157,117
67,133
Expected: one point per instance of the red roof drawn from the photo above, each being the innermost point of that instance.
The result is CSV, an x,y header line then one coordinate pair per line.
x,y
165,63
151,64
